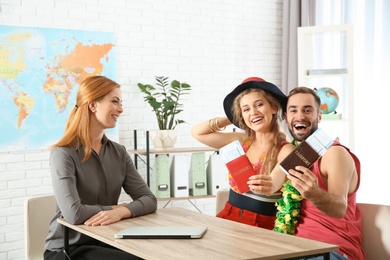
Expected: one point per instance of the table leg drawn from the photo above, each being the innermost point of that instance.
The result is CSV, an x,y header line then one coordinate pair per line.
x,y
66,242
327,256
166,204
195,206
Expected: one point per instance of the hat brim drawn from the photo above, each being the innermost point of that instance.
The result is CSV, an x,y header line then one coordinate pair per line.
x,y
264,85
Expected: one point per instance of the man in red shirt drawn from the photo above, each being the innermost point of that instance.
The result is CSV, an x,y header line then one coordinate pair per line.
x,y
328,210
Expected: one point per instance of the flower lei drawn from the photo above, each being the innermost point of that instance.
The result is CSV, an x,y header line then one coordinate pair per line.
x,y
288,207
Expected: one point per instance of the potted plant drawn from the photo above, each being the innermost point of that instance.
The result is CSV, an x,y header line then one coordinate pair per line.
x,y
165,100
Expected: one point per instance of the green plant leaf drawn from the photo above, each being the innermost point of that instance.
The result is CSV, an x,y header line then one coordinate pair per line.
x,y
165,100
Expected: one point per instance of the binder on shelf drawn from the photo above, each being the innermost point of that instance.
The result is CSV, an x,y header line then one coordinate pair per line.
x,y
179,176
197,174
308,151
217,175
160,177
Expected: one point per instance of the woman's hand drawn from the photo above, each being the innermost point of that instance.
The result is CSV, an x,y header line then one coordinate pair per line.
x,y
260,183
107,217
119,205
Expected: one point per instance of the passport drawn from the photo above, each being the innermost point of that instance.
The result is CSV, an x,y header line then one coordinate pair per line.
x,y
238,165
308,151
241,169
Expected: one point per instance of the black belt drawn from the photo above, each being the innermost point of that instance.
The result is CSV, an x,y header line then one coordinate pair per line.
x,y
247,203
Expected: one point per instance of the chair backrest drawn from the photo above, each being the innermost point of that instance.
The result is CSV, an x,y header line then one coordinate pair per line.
x,y
221,198
38,212
376,230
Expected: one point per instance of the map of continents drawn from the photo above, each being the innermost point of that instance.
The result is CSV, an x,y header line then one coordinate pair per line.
x,y
40,70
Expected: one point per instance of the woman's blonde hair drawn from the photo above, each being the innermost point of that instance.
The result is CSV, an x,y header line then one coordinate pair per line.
x,y
77,128
277,137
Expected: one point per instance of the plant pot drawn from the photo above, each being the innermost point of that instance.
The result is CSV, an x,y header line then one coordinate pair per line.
x,y
163,139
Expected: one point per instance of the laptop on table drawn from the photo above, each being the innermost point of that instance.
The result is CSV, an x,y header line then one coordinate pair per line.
x,y
187,232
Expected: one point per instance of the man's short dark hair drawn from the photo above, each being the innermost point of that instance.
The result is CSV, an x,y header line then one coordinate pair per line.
x,y
305,90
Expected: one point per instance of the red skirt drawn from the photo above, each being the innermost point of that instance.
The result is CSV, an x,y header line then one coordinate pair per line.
x,y
247,217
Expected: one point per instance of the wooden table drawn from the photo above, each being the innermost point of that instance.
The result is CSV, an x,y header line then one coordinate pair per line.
x,y
224,239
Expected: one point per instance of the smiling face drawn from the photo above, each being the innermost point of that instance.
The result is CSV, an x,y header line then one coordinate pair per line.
x,y
302,116
256,111
107,110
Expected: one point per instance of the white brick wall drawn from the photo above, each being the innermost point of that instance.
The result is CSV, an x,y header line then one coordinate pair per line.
x,y
212,45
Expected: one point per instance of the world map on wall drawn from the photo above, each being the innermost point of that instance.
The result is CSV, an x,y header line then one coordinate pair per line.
x,y
40,71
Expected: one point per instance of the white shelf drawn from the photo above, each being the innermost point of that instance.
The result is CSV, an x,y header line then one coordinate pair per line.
x,y
322,72
326,59
148,152
173,150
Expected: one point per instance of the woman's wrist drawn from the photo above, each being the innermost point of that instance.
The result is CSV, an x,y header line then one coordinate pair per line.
x,y
214,125
124,212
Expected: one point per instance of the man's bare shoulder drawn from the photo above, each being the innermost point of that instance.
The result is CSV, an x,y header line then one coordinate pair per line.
x,y
337,155
336,150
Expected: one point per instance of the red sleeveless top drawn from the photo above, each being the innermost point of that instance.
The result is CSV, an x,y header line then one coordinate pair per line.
x,y
345,232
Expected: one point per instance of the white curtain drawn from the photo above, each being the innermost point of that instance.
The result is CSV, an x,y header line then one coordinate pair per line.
x,y
371,20
296,13
372,97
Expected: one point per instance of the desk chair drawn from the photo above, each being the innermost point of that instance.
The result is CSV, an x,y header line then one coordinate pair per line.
x,y
38,212
376,230
221,198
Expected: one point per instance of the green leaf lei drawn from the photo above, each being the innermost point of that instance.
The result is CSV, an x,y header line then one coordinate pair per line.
x,y
288,207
